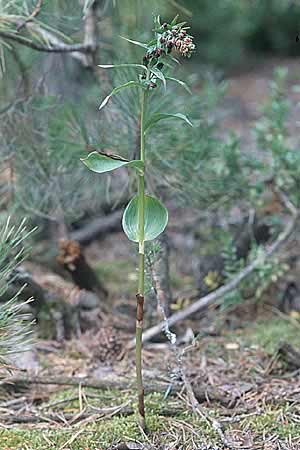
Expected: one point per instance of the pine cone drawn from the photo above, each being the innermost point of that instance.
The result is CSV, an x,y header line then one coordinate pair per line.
x,y
106,346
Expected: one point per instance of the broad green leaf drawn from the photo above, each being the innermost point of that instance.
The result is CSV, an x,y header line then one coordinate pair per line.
x,y
129,84
181,83
156,219
119,66
158,73
163,116
140,44
100,162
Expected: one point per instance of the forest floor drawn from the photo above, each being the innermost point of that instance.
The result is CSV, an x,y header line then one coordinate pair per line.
x,y
243,376
249,396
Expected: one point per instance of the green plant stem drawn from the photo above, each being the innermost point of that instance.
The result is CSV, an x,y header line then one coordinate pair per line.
x,y
141,283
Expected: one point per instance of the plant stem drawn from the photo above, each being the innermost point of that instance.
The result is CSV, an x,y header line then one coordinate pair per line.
x,y
141,284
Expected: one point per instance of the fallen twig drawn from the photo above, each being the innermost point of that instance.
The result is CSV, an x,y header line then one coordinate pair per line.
x,y
201,393
200,412
98,227
93,414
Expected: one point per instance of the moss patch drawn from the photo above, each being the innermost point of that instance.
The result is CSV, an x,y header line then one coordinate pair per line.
x,y
269,334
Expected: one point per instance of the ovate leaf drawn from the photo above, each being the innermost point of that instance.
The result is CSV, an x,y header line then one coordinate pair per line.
x,y
101,162
156,219
163,116
129,84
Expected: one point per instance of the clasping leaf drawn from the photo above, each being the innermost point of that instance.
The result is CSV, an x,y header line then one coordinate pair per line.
x,y
155,216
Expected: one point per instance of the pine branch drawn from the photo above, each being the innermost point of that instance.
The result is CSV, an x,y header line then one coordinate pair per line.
x,y
58,48
35,13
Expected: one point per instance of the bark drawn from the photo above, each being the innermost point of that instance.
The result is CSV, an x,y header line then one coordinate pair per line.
x,y
91,32
71,257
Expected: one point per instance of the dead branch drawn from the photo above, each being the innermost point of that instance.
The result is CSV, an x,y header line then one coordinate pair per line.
x,y
213,297
85,52
91,32
58,48
98,227
93,415
202,394
201,413
59,418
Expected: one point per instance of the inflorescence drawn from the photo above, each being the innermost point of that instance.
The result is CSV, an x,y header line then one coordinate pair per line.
x,y
169,37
